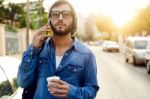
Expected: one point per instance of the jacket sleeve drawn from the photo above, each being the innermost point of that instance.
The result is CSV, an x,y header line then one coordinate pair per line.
x,y
90,84
26,71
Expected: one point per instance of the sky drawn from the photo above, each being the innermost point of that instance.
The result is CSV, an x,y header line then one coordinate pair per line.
x,y
120,10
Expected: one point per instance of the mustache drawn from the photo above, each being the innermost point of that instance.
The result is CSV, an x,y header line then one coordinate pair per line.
x,y
59,23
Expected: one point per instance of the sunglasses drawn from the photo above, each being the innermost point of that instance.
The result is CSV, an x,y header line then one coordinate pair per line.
x,y
65,14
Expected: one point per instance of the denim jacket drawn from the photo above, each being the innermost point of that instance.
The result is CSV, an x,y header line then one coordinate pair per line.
x,y
77,68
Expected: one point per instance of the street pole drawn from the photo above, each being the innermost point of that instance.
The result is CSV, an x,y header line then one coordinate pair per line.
x,y
40,13
27,23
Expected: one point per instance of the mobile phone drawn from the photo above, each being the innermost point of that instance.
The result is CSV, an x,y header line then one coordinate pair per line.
x,y
49,32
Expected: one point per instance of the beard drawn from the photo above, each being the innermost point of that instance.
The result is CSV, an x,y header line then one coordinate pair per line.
x,y
61,32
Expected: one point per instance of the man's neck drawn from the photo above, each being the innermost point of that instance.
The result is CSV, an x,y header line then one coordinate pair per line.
x,y
62,41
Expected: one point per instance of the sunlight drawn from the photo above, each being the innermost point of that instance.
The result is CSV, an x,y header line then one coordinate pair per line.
x,y
121,18
123,11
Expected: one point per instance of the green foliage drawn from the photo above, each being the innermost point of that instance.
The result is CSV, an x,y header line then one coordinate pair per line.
x,y
15,15
140,23
2,11
5,88
10,28
15,83
36,23
22,19
10,13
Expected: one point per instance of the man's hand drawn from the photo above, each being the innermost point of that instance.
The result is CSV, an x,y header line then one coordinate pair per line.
x,y
38,38
58,88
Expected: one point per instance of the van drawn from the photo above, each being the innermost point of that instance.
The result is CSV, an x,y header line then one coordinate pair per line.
x,y
135,50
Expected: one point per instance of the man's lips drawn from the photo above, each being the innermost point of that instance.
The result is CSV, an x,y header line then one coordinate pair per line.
x,y
60,24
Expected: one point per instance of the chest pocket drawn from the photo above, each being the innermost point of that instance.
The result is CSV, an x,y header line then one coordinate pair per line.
x,y
75,69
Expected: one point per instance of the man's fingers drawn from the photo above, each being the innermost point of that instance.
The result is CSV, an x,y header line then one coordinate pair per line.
x,y
61,82
56,85
59,95
63,87
58,91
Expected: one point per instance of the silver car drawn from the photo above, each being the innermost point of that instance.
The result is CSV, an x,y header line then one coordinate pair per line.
x,y
135,50
110,46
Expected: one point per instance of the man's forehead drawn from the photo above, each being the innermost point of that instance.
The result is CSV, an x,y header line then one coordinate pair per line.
x,y
61,7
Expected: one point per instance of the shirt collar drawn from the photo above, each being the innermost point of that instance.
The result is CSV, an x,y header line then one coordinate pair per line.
x,y
75,45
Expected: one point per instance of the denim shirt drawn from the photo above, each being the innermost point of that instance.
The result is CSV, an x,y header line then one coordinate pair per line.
x,y
77,68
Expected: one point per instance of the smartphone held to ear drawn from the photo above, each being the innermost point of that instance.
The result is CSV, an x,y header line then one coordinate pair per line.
x,y
49,32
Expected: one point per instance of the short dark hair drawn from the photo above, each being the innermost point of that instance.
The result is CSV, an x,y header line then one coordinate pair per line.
x,y
60,2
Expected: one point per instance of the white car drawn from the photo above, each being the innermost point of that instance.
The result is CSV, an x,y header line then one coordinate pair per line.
x,y
110,46
8,73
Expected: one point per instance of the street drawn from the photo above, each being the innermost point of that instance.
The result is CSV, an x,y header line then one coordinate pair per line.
x,y
119,80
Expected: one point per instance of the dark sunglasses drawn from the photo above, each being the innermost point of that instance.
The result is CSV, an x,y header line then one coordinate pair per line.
x,y
65,14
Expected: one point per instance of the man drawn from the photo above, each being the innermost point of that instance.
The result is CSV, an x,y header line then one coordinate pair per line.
x,y
61,55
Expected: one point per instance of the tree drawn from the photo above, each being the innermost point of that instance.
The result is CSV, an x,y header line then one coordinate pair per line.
x,y
2,11
141,22
106,24
15,11
10,13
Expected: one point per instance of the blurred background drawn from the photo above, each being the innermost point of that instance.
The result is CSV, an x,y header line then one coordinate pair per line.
x,y
97,20
105,26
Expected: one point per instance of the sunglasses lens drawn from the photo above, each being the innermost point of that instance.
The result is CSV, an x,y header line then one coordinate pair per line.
x,y
65,14
54,15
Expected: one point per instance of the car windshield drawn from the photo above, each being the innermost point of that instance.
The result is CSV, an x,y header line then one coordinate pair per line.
x,y
5,86
141,44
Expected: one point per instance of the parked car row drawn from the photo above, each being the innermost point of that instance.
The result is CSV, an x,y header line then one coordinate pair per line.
x,y
137,50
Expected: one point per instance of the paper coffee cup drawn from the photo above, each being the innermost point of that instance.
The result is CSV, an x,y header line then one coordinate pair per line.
x,y
53,77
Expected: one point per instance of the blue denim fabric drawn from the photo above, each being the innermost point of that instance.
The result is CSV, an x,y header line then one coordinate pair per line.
x,y
77,68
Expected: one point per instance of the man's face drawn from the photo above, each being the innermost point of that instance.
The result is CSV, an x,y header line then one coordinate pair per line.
x,y
61,20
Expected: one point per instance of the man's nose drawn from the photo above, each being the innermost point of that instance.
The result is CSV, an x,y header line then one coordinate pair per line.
x,y
60,16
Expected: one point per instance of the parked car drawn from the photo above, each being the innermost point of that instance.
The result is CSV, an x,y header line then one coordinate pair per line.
x,y
8,73
110,46
135,50
147,58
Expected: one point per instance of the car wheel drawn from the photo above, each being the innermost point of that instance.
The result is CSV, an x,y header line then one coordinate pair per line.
x,y
134,61
118,51
127,60
148,67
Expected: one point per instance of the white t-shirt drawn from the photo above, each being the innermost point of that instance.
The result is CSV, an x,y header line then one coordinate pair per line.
x,y
58,60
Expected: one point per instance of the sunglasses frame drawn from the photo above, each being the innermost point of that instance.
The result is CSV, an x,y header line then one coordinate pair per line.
x,y
65,14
